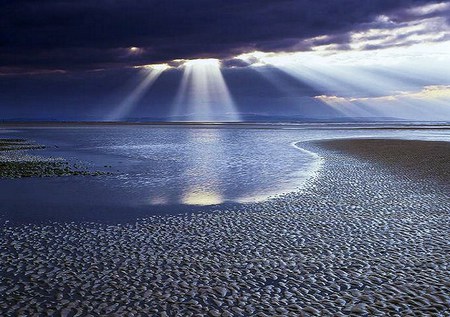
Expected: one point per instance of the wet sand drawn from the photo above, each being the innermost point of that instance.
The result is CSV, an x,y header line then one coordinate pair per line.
x,y
359,240
18,159
423,160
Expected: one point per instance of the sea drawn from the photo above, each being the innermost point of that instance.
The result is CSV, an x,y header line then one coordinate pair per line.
x,y
171,169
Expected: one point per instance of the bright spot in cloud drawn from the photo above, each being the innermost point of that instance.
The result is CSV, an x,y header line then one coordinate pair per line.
x,y
207,62
134,50
159,67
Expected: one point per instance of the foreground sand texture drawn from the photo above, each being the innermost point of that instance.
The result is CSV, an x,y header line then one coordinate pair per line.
x,y
422,160
358,240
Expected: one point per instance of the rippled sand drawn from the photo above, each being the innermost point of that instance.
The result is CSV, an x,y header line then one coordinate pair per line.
x,y
422,160
359,239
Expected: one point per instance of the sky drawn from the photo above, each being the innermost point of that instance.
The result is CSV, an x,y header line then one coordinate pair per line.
x,y
224,60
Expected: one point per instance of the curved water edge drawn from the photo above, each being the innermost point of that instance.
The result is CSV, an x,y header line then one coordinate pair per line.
x,y
172,170
305,175
317,164
351,245
158,171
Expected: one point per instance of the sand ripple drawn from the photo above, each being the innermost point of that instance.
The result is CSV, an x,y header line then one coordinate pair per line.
x,y
356,241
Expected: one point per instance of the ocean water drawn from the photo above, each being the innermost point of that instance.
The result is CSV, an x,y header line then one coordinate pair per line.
x,y
170,169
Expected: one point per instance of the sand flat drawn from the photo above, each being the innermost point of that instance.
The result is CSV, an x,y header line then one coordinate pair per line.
x,y
421,159
357,240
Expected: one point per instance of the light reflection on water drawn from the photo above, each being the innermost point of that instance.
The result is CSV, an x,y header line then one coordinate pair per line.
x,y
203,185
212,166
162,169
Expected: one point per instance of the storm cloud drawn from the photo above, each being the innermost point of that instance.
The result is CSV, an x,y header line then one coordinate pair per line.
x,y
87,35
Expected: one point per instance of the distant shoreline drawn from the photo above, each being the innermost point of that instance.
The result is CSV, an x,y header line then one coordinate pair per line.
x,y
255,125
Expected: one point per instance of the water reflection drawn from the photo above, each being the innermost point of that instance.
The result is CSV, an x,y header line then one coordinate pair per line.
x,y
201,198
213,166
167,170
202,179
158,200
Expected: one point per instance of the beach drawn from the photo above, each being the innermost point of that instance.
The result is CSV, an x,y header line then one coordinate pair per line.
x,y
17,162
367,235
421,160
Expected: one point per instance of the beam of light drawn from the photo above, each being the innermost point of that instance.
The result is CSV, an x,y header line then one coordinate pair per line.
x,y
275,81
203,94
294,95
366,74
430,103
356,82
152,73
326,79
346,107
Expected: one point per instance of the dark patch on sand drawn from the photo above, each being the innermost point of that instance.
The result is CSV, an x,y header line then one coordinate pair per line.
x,y
15,162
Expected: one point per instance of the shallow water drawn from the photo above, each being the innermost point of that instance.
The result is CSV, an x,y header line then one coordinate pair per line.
x,y
167,169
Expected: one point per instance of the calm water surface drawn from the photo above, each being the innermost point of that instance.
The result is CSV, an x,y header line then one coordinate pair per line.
x,y
158,170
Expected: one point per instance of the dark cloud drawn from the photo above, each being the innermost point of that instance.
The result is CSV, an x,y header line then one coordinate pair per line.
x,y
235,63
73,34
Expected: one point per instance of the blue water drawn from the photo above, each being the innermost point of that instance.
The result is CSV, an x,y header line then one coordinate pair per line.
x,y
162,169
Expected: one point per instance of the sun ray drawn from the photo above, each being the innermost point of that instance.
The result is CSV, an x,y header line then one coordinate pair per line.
x,y
203,94
429,103
152,73
354,81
